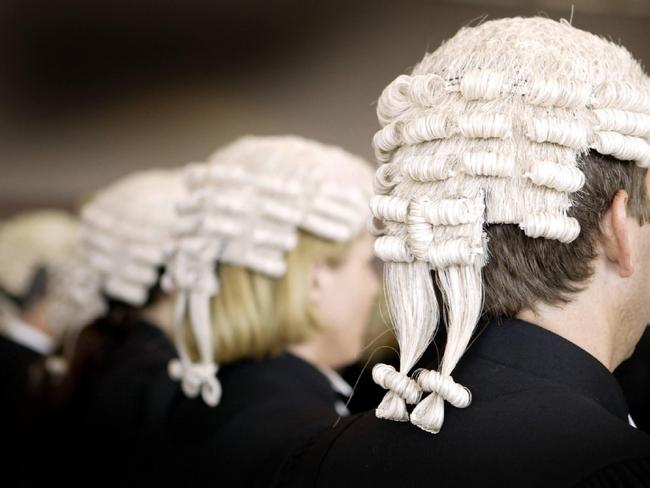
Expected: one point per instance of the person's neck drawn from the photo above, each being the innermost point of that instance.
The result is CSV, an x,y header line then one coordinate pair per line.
x,y
36,318
592,320
160,313
310,352
27,334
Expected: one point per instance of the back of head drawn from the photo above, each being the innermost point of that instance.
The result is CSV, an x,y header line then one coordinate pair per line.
x,y
34,247
114,273
497,152
261,208
126,234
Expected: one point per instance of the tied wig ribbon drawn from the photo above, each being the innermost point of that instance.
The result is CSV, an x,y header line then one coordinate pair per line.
x,y
190,272
433,381
198,377
401,388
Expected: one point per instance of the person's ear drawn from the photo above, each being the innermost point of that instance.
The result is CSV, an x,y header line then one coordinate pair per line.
x,y
615,235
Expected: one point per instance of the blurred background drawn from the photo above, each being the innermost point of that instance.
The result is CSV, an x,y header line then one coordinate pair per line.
x,y
90,90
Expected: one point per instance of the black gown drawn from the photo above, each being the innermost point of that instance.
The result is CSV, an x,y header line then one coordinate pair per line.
x,y
268,408
106,421
21,409
634,376
544,413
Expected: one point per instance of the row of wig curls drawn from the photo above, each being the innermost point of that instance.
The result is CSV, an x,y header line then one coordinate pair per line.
x,y
407,91
422,219
125,256
620,127
547,174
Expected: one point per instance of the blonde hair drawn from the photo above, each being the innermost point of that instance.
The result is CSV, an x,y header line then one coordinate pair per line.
x,y
244,209
257,316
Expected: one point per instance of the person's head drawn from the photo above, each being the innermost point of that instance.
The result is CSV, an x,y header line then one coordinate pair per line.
x,y
524,276
113,278
325,297
282,252
34,247
126,233
505,152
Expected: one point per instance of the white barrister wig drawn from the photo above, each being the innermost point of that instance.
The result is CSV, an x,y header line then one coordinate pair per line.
x,y
33,242
126,234
489,128
245,208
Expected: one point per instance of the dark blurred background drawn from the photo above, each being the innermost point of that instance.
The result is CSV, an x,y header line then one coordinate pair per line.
x,y
90,90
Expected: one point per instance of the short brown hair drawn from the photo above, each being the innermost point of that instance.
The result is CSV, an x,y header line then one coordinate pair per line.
x,y
523,271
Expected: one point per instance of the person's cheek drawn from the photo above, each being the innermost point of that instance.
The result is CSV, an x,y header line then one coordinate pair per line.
x,y
373,283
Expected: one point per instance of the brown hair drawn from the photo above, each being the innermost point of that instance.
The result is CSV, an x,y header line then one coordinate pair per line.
x,y
522,271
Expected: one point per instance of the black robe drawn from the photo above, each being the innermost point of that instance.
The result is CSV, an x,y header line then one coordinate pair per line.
x,y
21,409
544,413
104,424
268,408
634,376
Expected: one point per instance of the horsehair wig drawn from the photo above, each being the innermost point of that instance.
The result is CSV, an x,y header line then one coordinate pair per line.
x,y
126,232
45,239
487,129
245,207
123,239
